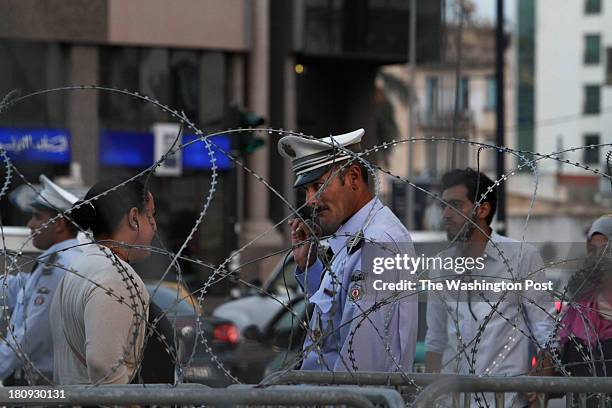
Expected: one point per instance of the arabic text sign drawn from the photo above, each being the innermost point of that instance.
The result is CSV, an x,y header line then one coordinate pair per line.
x,y
50,146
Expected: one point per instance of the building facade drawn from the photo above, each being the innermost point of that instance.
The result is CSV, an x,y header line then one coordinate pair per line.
x,y
200,58
449,110
564,94
306,65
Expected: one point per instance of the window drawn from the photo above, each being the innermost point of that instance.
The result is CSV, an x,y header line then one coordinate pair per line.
x,y
591,155
592,6
592,45
591,99
609,66
464,93
491,93
432,96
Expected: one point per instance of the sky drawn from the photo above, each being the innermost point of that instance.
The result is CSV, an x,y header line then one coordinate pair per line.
x,y
487,9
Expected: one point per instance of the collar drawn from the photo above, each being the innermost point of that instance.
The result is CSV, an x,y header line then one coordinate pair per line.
x,y
490,250
353,225
59,248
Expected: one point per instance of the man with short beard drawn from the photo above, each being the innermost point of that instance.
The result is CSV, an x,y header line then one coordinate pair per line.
x,y
470,332
352,328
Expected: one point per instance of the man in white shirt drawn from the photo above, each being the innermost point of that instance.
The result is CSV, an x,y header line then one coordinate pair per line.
x,y
475,334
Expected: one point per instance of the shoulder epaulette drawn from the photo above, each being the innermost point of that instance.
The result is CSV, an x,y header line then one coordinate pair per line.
x,y
355,243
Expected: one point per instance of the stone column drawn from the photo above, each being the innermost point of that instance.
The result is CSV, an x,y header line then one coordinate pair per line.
x,y
83,111
290,122
258,195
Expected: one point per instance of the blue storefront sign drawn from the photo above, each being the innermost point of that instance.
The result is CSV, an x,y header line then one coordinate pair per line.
x,y
197,156
135,149
49,146
117,148
129,149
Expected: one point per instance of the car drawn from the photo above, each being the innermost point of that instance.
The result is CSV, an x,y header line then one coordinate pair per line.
x,y
277,346
185,314
259,307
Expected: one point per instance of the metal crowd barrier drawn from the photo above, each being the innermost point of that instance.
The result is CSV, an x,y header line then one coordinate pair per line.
x,y
440,384
379,396
540,385
406,384
348,378
183,394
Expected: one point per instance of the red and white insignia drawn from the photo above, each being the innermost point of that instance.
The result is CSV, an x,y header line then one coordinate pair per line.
x,y
39,300
356,292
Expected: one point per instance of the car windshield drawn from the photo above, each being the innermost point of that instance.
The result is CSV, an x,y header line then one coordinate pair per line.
x,y
290,320
285,282
166,299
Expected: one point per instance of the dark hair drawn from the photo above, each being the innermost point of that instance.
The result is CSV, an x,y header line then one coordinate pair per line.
x,y
476,184
103,215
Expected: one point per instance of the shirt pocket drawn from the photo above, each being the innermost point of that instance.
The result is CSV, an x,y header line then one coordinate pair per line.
x,y
322,301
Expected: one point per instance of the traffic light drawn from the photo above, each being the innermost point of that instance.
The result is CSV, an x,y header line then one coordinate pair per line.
x,y
247,141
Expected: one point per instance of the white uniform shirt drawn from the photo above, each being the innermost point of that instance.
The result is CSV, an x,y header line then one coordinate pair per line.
x,y
29,296
501,349
340,337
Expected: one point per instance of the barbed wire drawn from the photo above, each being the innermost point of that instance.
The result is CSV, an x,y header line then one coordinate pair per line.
x,y
386,307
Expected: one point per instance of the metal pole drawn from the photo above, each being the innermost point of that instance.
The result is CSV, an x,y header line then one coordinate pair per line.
x,y
456,107
161,394
377,395
411,100
501,109
520,384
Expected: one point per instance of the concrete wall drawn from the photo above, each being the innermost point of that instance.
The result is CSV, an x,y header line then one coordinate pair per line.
x,y
180,23
210,24
54,20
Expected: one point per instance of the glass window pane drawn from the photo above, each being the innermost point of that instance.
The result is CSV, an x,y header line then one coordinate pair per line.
x,y
464,93
491,93
184,80
591,99
592,6
591,155
432,95
592,45
120,68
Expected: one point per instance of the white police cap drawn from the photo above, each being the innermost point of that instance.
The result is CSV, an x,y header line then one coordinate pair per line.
x,y
310,159
602,225
52,197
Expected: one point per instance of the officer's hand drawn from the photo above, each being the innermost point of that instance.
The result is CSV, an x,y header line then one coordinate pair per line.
x,y
304,242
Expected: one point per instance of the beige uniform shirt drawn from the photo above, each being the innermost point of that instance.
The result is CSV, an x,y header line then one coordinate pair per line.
x,y
98,320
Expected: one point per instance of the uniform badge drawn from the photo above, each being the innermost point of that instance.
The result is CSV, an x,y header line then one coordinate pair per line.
x,y
357,276
43,290
356,292
288,149
39,300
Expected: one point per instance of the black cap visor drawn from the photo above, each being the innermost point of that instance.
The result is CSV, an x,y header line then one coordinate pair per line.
x,y
43,207
310,176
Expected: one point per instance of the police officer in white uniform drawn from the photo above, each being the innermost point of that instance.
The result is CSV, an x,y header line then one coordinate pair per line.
x,y
29,295
352,327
